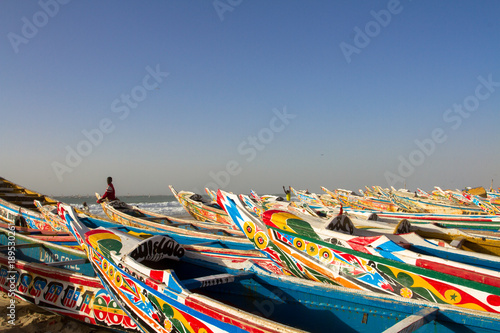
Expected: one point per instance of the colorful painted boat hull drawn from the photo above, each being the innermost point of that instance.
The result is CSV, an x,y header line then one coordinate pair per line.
x,y
201,211
156,299
40,276
221,252
357,267
311,199
183,231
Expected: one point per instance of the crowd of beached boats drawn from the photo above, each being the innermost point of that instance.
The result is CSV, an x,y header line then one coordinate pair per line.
x,y
381,260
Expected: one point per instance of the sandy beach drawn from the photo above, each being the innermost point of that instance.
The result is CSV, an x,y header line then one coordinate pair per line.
x,y
32,319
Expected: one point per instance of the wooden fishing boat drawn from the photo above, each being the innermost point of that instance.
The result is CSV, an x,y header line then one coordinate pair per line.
x,y
213,238
253,206
212,194
156,299
34,232
348,199
182,230
472,222
486,242
474,241
448,201
57,279
268,202
488,201
455,197
226,251
366,263
257,204
161,294
434,206
310,198
49,214
487,205
480,191
324,199
17,201
495,201
155,219
344,229
200,208
64,238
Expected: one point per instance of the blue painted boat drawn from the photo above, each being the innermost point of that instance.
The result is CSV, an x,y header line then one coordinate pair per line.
x,y
57,279
222,251
307,305
183,230
156,298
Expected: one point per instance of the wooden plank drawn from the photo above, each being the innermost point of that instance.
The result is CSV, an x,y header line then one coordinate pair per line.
x,y
414,322
458,242
19,246
23,203
10,194
204,243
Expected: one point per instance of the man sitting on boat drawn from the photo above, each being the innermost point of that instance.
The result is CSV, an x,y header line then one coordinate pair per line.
x,y
110,192
20,221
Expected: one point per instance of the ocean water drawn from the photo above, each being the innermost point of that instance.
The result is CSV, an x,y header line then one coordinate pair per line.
x,y
162,204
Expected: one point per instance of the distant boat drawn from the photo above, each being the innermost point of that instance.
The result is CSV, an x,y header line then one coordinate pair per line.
x,y
366,263
201,209
183,230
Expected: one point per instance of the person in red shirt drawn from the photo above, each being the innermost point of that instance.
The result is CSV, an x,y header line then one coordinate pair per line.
x,y
110,192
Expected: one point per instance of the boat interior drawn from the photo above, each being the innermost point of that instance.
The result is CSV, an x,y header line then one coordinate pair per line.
x,y
20,196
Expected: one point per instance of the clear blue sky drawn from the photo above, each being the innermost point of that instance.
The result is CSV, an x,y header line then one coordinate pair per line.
x,y
249,94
